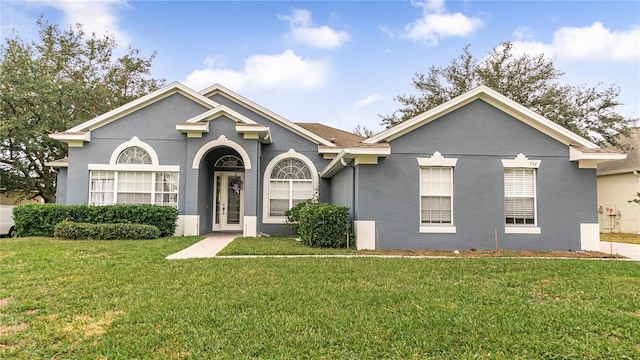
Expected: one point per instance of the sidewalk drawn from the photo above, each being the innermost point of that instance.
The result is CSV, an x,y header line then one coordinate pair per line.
x,y
205,248
632,251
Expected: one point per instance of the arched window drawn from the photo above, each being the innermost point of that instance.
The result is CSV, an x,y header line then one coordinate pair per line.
x,y
292,179
229,161
134,155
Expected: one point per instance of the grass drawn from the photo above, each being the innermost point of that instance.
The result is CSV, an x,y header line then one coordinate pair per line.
x,y
621,237
123,299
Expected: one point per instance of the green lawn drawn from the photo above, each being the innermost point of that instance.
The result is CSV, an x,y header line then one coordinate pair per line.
x,y
123,299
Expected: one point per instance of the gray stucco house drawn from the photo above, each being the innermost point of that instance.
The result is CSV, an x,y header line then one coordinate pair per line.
x,y
475,170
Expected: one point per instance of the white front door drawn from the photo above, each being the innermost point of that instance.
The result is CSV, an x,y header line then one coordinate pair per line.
x,y
228,200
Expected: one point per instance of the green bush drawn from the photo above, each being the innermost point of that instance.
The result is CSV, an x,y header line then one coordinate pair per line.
x,y
323,225
292,216
81,231
41,219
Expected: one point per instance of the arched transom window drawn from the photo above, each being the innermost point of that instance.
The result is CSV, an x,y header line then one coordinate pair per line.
x,y
290,183
134,155
229,161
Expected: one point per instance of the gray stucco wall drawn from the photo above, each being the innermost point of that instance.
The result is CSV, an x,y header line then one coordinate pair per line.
x,y
479,136
61,186
342,188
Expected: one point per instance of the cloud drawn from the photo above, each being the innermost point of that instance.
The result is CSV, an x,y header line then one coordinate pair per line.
x,y
364,102
437,23
99,17
286,70
303,31
591,43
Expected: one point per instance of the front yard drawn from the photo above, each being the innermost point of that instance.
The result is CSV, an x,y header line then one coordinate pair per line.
x,y
123,299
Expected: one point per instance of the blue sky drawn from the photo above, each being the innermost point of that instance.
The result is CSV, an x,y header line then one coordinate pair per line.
x,y
341,63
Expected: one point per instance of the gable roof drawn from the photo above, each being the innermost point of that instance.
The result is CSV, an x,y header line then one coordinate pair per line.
x,y
495,99
140,103
295,128
338,137
631,163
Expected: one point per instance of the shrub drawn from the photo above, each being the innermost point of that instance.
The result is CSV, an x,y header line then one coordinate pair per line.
x,y
323,225
292,216
41,219
80,231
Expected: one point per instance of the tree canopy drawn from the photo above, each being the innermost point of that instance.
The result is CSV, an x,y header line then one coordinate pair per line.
x,y
64,78
532,81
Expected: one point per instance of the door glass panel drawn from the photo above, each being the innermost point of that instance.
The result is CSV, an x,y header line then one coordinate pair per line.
x,y
218,205
233,201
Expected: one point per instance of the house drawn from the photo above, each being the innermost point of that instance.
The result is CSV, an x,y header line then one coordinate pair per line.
x,y
479,171
619,182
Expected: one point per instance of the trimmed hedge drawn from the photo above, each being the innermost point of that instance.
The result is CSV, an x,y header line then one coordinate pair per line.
x,y
323,225
41,219
82,231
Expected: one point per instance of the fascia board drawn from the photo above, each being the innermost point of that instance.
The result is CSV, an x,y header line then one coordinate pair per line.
x,y
219,89
68,136
341,160
577,155
499,101
61,163
143,101
202,127
337,164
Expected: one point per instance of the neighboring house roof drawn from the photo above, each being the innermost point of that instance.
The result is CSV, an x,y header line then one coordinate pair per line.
x,y
631,163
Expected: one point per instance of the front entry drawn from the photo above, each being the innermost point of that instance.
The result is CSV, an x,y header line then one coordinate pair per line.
x,y
228,200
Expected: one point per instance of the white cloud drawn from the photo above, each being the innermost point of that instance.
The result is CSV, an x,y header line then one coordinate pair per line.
x,y
592,43
99,17
437,23
286,70
303,31
524,33
364,102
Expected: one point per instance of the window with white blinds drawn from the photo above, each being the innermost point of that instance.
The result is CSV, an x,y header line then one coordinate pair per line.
x,y
290,183
520,196
436,192
133,187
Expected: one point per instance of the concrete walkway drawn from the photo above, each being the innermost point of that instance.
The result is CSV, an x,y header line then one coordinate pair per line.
x,y
213,243
632,251
206,248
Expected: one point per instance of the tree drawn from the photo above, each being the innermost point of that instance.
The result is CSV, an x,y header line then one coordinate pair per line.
x,y
529,80
63,79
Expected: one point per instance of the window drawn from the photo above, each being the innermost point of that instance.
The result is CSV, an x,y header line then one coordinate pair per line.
x,y
133,187
436,194
290,183
436,191
519,196
134,155
133,176
289,179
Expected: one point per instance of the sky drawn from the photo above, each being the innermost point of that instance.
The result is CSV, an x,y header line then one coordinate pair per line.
x,y
342,63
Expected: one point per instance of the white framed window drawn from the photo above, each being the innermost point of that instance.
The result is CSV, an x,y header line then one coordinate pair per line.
x,y
290,178
520,195
436,194
133,176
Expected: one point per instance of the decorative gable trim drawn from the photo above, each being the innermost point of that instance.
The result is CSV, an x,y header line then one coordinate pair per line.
x,y
437,160
221,90
495,99
221,141
589,158
521,161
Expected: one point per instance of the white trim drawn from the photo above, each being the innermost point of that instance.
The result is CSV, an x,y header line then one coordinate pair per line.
x,y
250,226
521,161
589,237
522,229
190,225
437,160
135,141
499,101
220,111
222,225
219,89
134,167
221,141
365,232
444,228
365,155
424,229
266,183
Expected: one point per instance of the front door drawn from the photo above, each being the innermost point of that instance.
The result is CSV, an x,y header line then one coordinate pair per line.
x,y
228,200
